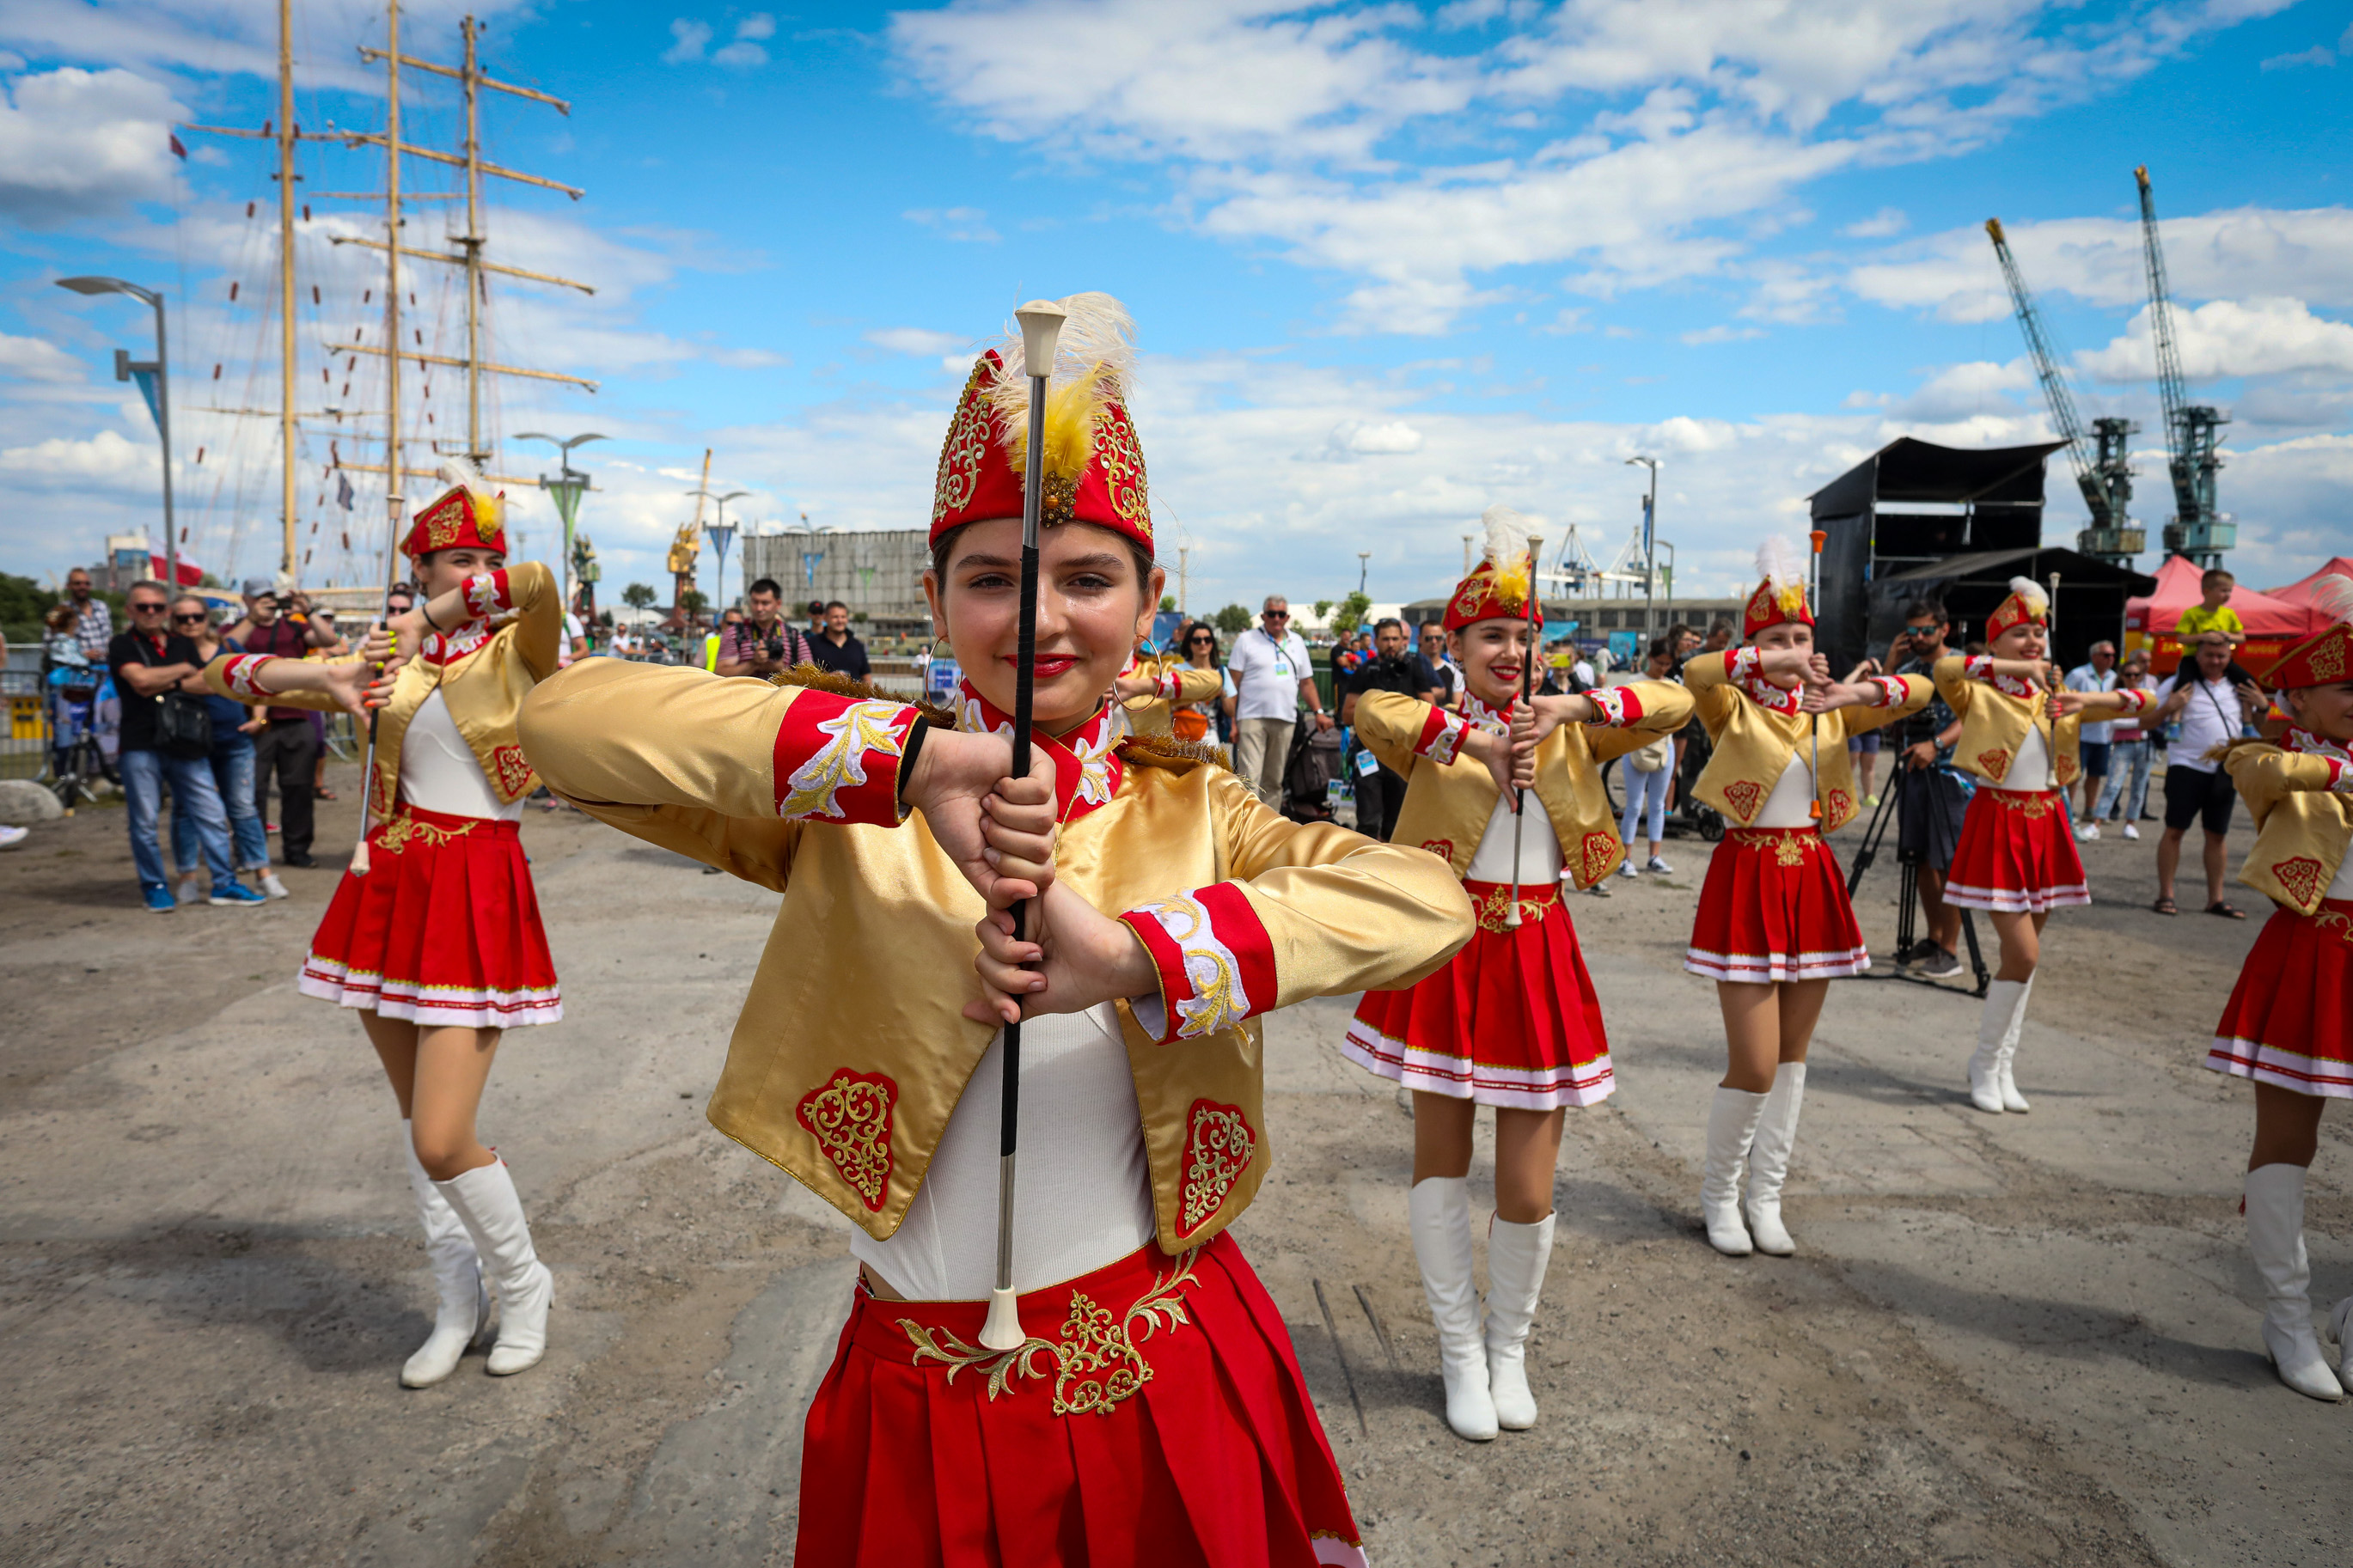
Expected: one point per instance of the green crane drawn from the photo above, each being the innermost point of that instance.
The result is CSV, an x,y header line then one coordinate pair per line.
x,y
2103,467
2192,430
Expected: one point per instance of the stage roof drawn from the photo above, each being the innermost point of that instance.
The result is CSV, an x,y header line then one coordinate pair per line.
x,y
1906,470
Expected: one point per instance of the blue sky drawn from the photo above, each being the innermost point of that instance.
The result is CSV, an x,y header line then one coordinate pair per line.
x,y
1389,265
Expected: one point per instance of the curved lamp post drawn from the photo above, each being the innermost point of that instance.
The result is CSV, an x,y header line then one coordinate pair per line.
x,y
160,402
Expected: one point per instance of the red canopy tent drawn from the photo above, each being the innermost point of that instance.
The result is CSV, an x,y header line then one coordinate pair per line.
x,y
2273,626
2300,592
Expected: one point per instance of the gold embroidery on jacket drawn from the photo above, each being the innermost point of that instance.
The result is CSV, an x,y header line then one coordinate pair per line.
x,y
2300,877
400,829
1219,1144
860,727
1788,846
1097,1365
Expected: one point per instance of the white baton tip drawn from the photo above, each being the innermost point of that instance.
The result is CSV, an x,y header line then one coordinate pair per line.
x,y
1003,1330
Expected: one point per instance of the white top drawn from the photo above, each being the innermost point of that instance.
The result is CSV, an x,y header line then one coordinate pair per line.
x,y
2084,678
572,633
437,770
2341,886
2029,771
1081,1188
2211,718
1539,848
1267,674
1791,803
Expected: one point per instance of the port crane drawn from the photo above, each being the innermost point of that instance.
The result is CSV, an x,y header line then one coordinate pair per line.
x,y
2192,431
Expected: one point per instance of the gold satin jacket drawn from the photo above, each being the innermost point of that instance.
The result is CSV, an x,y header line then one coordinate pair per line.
x,y
1179,682
483,670
2300,794
853,1048
1448,805
1757,727
1996,712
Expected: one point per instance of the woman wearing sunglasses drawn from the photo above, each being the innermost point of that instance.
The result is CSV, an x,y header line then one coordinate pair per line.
x,y
232,763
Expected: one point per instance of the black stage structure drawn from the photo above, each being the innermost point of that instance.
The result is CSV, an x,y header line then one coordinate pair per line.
x,y
1884,546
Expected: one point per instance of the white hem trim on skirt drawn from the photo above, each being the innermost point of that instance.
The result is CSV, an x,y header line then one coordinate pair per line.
x,y
2017,900
2281,1068
1459,1077
1776,968
435,1007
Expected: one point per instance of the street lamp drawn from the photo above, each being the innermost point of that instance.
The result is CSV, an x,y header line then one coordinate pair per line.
x,y
566,491
722,534
1364,564
1650,547
159,398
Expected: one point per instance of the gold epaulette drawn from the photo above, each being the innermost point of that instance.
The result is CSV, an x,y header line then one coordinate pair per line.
x,y
821,680
1168,751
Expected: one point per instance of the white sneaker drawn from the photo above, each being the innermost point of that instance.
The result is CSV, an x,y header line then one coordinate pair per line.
x,y
2088,832
10,836
272,886
1658,867
2132,830
1626,868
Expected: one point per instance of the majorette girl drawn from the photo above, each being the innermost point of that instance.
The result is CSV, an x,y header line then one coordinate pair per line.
x,y
1154,1414
2289,1023
1512,1021
1774,927
433,935
2016,859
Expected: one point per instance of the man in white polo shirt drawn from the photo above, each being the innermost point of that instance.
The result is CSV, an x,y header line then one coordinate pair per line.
x,y
2212,709
1272,678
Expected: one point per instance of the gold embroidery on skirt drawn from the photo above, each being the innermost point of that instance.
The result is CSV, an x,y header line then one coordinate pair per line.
x,y
404,827
2337,923
1096,1362
2034,805
1494,907
1788,848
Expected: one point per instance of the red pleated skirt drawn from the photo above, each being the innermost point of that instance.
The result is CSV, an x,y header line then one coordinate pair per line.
x,y
1511,1020
2017,855
1774,908
2288,1020
443,931
1154,1418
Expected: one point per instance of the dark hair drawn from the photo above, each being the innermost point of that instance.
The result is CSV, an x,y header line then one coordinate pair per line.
x,y
1930,606
1385,623
946,546
1185,640
767,586
833,605
2216,578
1661,648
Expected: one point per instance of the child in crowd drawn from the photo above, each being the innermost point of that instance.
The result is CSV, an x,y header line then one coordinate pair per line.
x,y
2212,612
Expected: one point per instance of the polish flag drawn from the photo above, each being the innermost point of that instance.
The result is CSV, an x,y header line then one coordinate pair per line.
x,y
191,574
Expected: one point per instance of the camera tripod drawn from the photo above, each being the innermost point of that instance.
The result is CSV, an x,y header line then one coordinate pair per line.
x,y
1908,889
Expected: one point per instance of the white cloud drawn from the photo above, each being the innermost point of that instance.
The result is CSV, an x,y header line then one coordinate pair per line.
x,y
2319,55
758,24
741,55
104,458
2307,254
75,142
35,359
1882,224
2230,338
1723,333
1394,438
918,341
240,37
688,40
955,223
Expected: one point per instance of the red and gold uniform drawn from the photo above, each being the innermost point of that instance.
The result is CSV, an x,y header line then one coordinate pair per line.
x,y
1175,684
446,798
2286,1025
1775,905
1156,1413
1513,1020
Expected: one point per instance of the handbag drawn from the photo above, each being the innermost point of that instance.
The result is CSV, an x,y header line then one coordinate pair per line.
x,y
183,725
1654,757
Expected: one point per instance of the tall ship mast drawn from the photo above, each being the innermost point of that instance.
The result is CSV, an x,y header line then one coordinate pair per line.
x,y
403,346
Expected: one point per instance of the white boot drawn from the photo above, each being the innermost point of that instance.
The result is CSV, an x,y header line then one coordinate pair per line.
x,y
1517,1257
2006,1080
465,1308
2275,1236
2004,998
2338,1330
1768,1159
1441,1212
485,1199
1732,1120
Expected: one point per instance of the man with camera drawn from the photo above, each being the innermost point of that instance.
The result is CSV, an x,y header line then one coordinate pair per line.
x,y
1935,795
761,643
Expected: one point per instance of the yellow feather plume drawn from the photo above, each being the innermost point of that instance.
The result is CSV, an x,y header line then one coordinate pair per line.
x,y
1093,360
1071,410
1507,562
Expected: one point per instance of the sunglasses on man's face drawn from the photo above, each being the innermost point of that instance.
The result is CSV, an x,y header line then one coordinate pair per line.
x,y
1276,615
146,609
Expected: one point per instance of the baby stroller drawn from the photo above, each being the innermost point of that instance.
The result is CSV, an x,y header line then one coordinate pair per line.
x,y
1308,773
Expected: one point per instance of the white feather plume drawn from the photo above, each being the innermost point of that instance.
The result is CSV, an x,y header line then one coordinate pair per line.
x,y
1780,564
1098,340
2032,594
1507,536
457,471
2334,598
